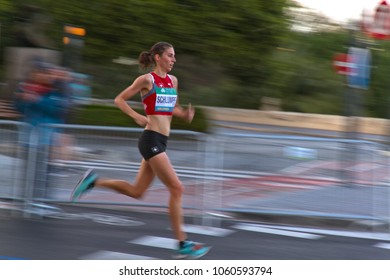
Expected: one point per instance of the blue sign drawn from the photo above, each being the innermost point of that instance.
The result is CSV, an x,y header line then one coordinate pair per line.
x,y
360,67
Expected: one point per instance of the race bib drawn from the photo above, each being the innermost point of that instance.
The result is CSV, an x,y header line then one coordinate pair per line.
x,y
165,99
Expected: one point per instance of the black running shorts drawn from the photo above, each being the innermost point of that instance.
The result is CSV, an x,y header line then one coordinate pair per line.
x,y
152,143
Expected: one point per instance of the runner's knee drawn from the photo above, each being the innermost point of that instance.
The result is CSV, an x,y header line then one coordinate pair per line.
x,y
138,193
176,190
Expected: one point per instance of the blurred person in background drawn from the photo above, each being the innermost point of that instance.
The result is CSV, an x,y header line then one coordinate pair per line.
x,y
62,79
42,98
81,88
158,91
41,102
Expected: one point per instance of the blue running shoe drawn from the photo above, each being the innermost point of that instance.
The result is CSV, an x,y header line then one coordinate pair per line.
x,y
85,184
191,250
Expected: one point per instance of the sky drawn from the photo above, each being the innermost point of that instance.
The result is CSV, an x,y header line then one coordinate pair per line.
x,y
342,10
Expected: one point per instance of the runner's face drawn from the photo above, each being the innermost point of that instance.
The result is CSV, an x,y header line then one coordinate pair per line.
x,y
167,59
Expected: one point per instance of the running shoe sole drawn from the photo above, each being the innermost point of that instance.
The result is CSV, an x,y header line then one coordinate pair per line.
x,y
83,185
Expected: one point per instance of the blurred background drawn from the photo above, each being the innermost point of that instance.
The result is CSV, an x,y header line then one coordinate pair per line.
x,y
291,126
259,49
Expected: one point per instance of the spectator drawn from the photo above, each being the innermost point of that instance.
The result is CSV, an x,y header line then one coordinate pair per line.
x,y
41,103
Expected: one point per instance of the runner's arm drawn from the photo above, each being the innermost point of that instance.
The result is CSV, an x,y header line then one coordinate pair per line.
x,y
142,82
185,114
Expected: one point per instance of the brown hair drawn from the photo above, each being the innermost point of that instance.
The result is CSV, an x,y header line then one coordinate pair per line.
x,y
146,58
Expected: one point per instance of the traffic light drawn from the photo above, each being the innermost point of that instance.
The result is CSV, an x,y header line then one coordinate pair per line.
x,y
73,40
74,35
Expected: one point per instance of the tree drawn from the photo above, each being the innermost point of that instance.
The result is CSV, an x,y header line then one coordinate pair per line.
x,y
233,37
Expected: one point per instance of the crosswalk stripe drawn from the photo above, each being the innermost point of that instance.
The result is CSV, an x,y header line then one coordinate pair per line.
x,y
157,242
341,233
258,228
383,245
154,241
210,231
110,255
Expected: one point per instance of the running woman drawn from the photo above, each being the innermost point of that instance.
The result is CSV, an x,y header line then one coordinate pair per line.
x,y
158,91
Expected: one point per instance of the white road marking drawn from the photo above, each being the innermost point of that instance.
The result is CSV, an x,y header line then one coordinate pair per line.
x,y
383,246
342,233
154,241
205,230
157,242
110,255
262,229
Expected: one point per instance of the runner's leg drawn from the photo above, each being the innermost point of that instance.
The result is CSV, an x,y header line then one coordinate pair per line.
x,y
164,170
142,182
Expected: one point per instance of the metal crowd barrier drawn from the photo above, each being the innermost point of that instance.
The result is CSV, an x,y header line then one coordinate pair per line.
x,y
113,153
12,160
296,176
223,173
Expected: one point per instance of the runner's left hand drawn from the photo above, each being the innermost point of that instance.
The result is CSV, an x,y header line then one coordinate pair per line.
x,y
190,113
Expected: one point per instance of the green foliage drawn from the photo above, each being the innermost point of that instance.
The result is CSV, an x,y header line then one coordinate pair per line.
x,y
377,98
303,77
234,38
229,53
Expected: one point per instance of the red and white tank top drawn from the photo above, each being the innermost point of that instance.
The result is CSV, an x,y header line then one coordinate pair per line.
x,y
161,99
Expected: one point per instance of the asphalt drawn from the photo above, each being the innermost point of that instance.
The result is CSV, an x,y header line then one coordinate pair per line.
x,y
93,233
